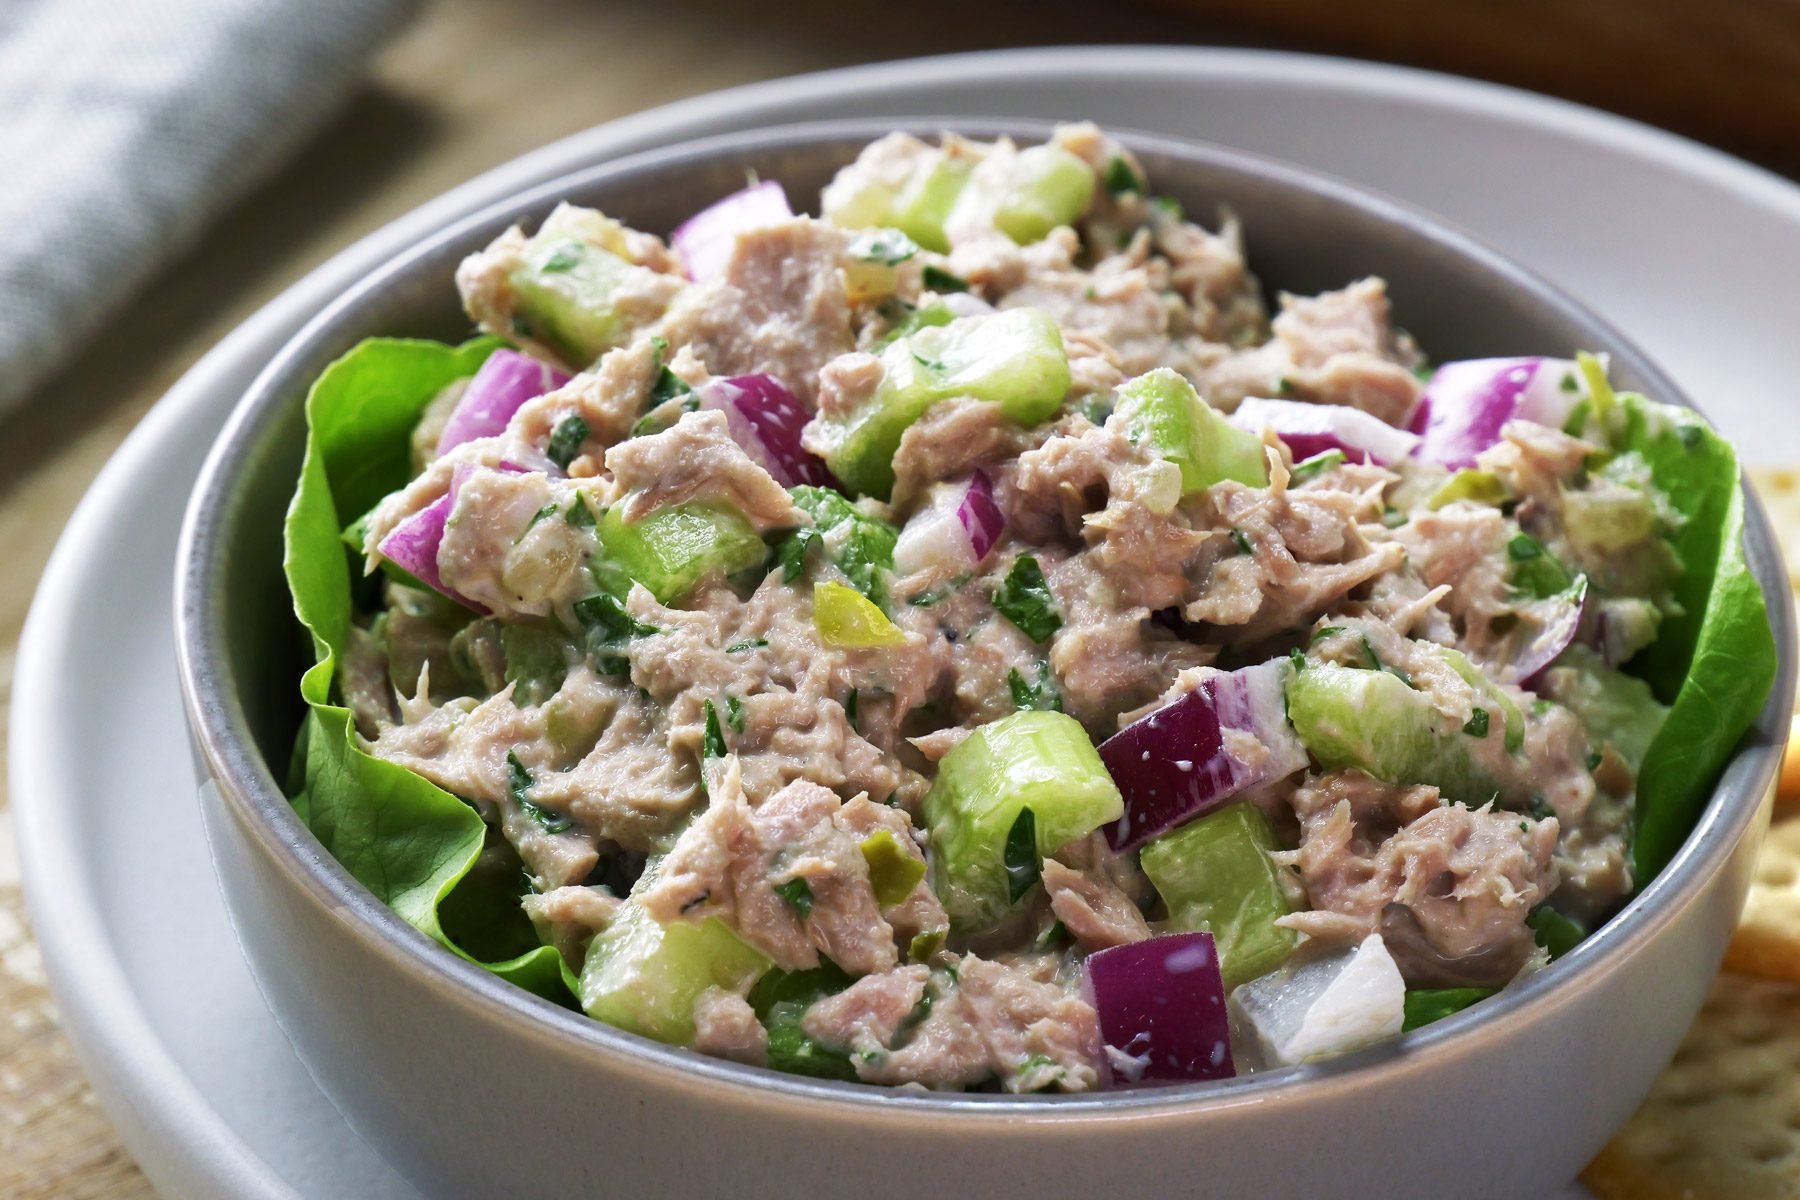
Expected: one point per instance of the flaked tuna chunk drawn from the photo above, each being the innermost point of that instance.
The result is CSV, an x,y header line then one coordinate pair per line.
x,y
1014,1021
951,439
725,1026
1092,908
1305,552
748,864
780,307
569,917
1447,887
1117,303
697,460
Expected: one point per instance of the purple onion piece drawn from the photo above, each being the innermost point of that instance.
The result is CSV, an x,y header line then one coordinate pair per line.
x,y
706,239
980,516
1310,429
1175,764
1161,1005
766,420
1558,620
413,544
1467,404
499,389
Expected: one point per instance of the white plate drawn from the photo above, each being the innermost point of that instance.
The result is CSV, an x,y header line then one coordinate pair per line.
x,y
1690,251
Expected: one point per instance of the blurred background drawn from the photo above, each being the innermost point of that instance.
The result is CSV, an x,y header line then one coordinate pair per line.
x,y
170,165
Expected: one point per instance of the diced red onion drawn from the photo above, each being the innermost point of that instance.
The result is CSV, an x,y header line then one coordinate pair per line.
x,y
706,239
1557,620
413,544
1174,764
766,421
1161,1004
953,533
1467,404
499,389
1310,429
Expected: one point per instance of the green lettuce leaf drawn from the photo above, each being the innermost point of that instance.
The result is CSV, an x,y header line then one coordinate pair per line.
x,y
407,840
1714,662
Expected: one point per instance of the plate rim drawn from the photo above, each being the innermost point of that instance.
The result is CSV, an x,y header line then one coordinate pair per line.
x,y
159,1111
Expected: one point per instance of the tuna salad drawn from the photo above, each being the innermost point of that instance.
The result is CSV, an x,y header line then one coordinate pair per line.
x,y
975,639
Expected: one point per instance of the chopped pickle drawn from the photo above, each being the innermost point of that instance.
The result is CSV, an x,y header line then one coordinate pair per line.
x,y
847,618
893,873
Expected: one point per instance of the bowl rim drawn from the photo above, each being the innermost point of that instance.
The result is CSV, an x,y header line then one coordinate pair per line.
x,y
251,793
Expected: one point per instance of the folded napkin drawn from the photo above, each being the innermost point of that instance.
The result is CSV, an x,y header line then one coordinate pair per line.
x,y
127,125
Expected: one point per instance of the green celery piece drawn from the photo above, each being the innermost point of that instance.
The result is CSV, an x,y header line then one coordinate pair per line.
x,y
1216,876
926,316
1372,721
1615,707
675,548
1491,695
1714,660
565,286
1428,1005
1014,358
1483,487
644,977
536,662
1036,759
924,203
410,842
1048,187
1165,411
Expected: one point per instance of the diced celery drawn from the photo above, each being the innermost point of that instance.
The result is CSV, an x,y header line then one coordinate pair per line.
x,y
1216,876
1490,694
1164,411
892,871
1014,358
644,977
1615,707
1048,187
1371,720
845,617
564,288
1483,487
673,549
1424,1007
924,204
1037,760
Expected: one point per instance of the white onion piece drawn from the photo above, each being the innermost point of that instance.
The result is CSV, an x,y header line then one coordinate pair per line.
x,y
1310,429
705,240
1323,1006
955,530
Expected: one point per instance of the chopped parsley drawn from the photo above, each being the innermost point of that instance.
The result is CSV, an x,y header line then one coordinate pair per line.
x,y
790,551
1298,660
942,592
734,714
549,510
1316,465
1241,540
929,364
581,513
667,384
1325,632
865,551
1024,598
884,247
566,440
1021,858
1121,178
604,619
518,786
1169,207
799,896
564,258
746,644
1375,661
713,744
940,280
1477,726
852,707
1039,694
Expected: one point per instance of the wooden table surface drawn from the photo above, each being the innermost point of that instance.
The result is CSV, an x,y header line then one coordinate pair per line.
x,y
474,83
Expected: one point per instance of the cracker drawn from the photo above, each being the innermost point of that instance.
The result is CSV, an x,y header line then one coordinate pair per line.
x,y
1723,1122
1767,941
1779,489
